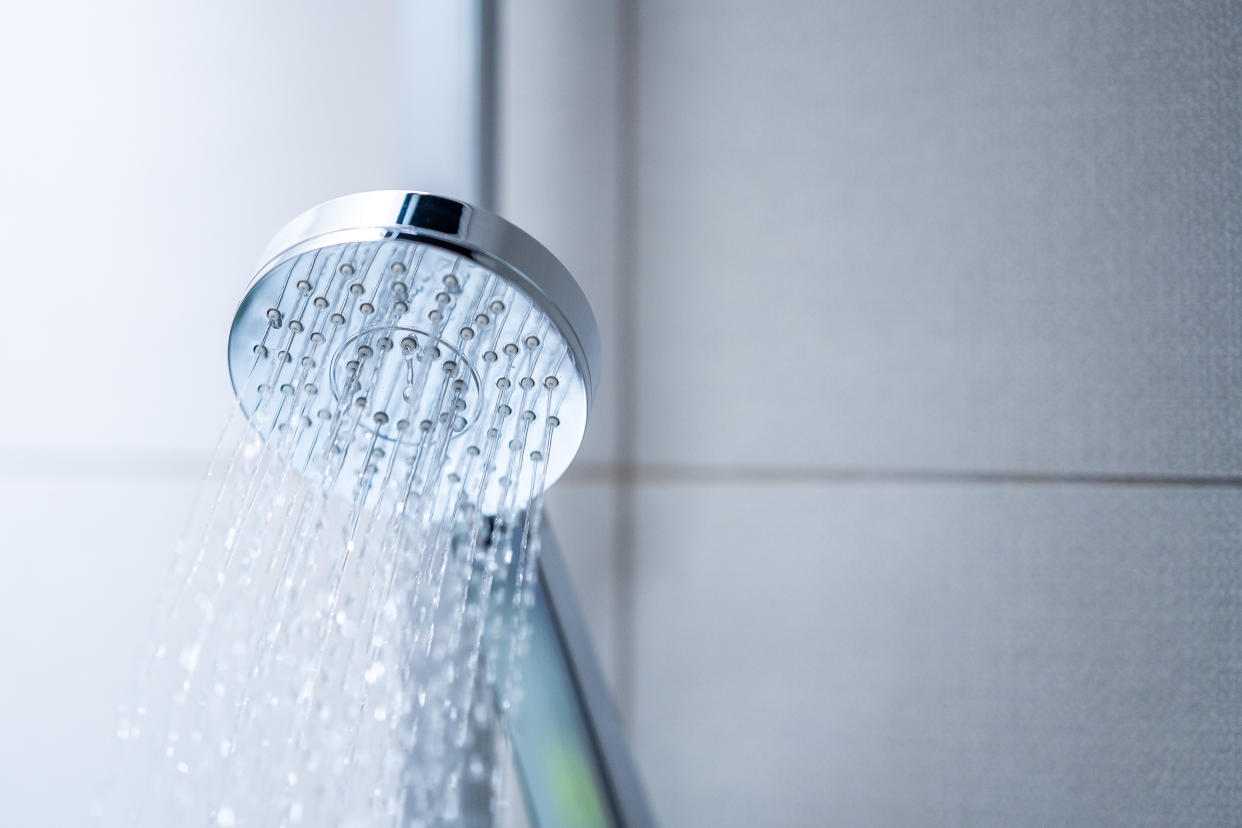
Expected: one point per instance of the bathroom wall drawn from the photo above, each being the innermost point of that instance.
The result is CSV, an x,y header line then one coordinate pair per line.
x,y
917,496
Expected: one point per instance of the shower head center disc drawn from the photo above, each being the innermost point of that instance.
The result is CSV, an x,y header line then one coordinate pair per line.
x,y
407,373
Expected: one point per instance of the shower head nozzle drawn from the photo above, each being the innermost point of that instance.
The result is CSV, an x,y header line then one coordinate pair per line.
x,y
392,341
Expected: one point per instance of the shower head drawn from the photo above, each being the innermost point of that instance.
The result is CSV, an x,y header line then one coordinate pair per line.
x,y
396,342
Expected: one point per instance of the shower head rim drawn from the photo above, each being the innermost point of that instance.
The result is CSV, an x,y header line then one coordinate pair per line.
x,y
483,236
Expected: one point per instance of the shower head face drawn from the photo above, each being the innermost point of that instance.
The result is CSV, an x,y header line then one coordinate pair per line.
x,y
398,343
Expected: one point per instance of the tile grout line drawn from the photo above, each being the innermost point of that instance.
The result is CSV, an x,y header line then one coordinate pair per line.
x,y
625,494
41,462
87,464
622,474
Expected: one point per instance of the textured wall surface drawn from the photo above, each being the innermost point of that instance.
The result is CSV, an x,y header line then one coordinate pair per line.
x,y
979,236
957,654
927,503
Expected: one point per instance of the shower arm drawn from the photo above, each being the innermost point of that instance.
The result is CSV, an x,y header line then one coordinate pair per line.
x,y
568,743
558,618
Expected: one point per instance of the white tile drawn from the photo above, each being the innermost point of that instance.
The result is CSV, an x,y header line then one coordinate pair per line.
x,y
558,164
82,564
150,152
939,655
940,235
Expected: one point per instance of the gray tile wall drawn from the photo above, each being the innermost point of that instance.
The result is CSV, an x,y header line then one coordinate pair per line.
x,y
954,654
941,235
924,335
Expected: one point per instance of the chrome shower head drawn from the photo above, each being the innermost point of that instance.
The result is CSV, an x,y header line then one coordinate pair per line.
x,y
397,341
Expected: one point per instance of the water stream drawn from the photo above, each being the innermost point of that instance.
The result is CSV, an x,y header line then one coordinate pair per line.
x,y
337,641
